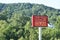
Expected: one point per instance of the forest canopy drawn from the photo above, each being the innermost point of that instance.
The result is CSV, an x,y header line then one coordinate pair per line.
x,y
15,22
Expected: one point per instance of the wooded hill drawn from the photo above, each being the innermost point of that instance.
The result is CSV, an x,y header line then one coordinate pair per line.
x,y
15,21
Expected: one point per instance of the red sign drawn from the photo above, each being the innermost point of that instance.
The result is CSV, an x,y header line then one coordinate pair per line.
x,y
39,21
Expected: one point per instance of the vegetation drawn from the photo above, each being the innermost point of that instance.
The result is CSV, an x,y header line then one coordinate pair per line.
x,y
15,22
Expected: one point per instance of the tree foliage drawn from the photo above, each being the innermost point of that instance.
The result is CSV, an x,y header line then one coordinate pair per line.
x,y
15,22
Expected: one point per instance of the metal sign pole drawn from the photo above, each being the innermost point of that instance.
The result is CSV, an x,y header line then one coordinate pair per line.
x,y
40,34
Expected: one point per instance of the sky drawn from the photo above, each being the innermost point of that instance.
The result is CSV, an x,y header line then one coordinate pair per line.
x,y
51,3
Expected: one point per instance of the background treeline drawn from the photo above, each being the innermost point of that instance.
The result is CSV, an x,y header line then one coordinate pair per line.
x,y
15,22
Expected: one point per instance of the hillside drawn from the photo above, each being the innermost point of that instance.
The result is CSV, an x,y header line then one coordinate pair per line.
x,y
15,21
28,9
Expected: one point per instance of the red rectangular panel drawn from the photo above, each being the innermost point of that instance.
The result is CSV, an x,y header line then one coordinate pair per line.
x,y
38,21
